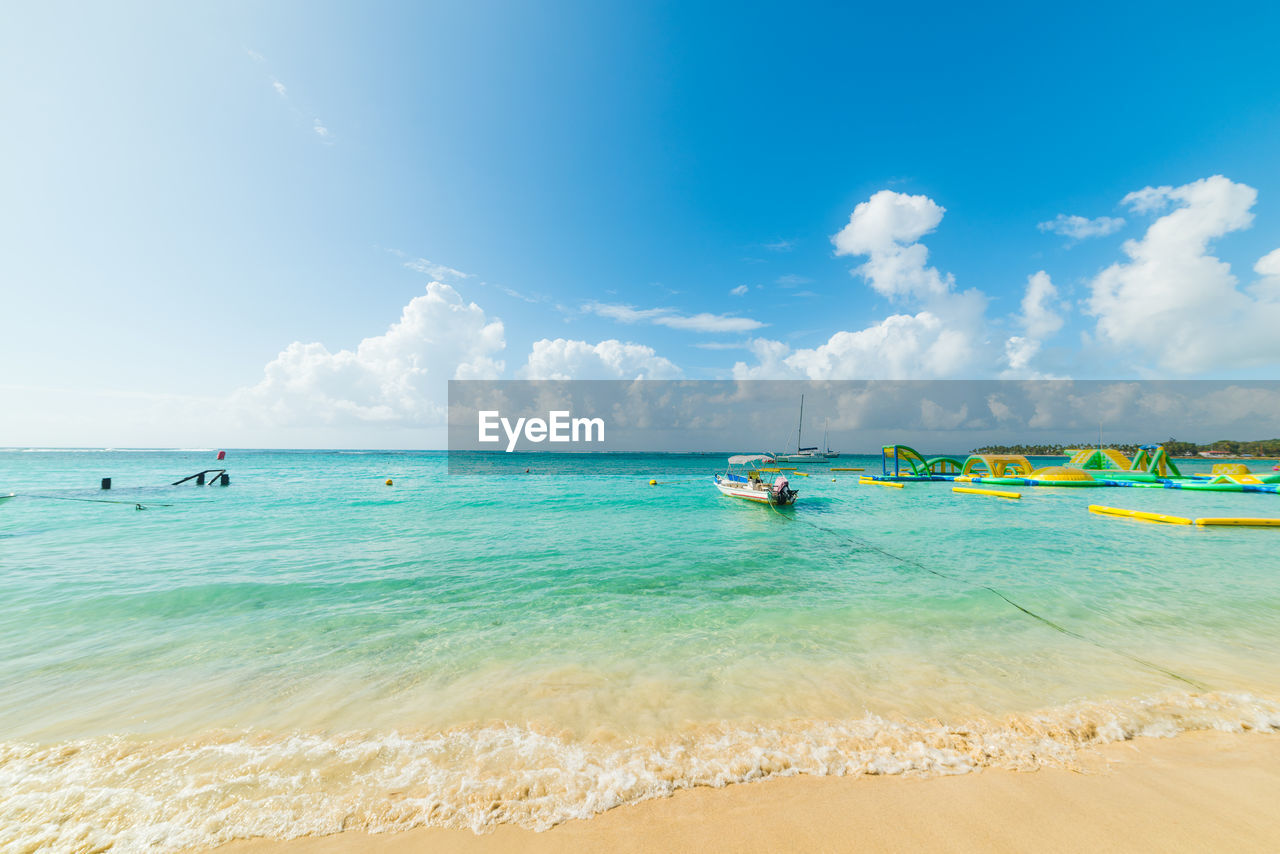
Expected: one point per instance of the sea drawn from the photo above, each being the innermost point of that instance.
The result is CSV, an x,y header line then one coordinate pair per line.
x,y
309,650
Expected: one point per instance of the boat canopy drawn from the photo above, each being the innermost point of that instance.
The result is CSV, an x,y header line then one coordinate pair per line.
x,y
748,459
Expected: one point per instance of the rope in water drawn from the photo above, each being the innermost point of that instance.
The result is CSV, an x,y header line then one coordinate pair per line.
x,y
865,544
136,504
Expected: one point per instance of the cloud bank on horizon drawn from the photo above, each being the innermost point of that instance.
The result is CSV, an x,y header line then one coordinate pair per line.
x,y
1168,306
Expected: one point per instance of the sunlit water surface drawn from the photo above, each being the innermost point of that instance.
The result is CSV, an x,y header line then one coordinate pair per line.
x,y
309,649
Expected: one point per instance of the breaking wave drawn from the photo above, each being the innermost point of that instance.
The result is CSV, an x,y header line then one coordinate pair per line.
x,y
135,794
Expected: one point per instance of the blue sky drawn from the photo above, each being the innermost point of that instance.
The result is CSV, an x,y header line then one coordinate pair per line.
x,y
207,210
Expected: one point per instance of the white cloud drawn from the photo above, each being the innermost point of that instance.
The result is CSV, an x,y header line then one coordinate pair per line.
x,y
1175,304
1040,312
320,129
279,87
934,416
565,359
945,337
886,228
1018,353
396,377
1082,228
739,290
770,362
708,323
997,407
723,345
512,292
1149,199
901,346
780,246
1268,266
437,272
623,313
1040,318
703,322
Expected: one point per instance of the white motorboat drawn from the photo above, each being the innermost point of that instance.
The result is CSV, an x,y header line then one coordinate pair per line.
x,y
742,480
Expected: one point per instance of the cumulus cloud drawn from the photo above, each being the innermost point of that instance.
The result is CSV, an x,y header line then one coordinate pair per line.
x,y
397,377
321,131
1172,302
738,291
886,228
1268,267
935,416
703,322
1018,353
901,346
565,359
1041,315
280,88
1082,228
942,337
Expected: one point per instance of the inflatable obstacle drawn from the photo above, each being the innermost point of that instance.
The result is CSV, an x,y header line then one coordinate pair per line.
x,y
996,465
1207,522
1140,515
871,481
1048,476
1153,460
901,461
993,492
1238,522
1098,459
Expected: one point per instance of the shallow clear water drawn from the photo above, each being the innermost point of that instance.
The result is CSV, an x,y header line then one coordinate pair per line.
x,y
309,649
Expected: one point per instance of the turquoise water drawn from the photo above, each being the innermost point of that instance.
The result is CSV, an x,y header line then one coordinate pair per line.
x,y
309,650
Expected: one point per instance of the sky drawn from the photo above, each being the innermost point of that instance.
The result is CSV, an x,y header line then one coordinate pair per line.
x,y
290,224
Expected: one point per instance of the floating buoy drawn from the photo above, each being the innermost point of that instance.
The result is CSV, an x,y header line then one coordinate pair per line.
x,y
222,455
389,482
653,483
1239,522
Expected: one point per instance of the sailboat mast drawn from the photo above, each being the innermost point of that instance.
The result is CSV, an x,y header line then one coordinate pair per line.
x,y
800,429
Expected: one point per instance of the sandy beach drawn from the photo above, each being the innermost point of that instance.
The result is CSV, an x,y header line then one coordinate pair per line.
x,y
1199,792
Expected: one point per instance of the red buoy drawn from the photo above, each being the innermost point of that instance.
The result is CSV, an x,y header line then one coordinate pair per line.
x,y
222,455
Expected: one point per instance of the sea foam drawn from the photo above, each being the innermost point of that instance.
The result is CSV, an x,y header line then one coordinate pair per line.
x,y
166,795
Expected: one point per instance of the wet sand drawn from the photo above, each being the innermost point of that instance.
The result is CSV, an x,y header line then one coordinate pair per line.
x,y
1194,793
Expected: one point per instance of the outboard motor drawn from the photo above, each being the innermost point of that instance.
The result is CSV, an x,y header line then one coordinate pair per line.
x,y
782,493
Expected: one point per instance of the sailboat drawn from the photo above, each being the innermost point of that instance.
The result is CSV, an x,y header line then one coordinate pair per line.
x,y
803,454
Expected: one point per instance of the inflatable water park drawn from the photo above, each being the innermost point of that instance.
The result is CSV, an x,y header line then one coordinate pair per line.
x,y
1151,468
